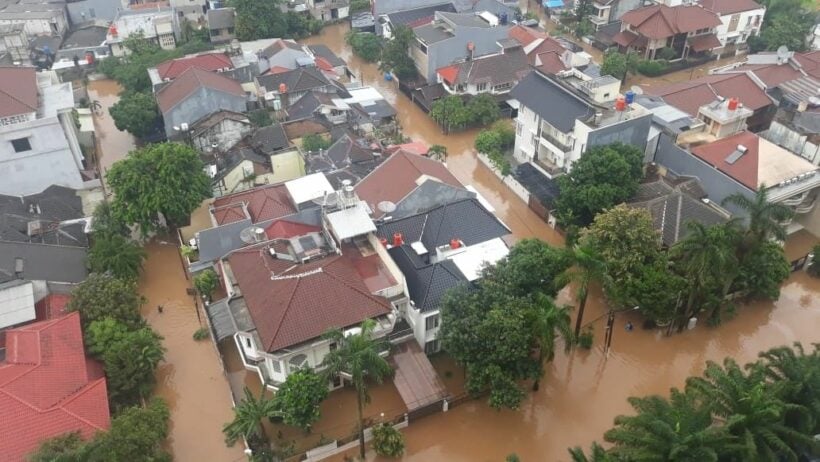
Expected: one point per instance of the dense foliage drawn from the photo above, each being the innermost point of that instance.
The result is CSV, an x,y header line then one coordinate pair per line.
x,y
298,399
103,296
494,142
514,297
786,23
260,118
206,283
136,112
247,422
387,441
117,255
396,54
452,113
130,359
813,267
315,143
366,45
619,65
165,180
765,411
259,19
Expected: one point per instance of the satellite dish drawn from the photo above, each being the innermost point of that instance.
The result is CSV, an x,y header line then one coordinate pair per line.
x,y
386,207
251,235
783,52
636,89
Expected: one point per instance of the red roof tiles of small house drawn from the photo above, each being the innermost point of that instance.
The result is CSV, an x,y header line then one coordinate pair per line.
x,y
323,64
284,229
525,35
704,42
291,303
775,74
449,73
661,21
172,68
550,63
745,169
278,70
690,96
47,387
18,91
191,80
723,7
399,175
263,203
415,147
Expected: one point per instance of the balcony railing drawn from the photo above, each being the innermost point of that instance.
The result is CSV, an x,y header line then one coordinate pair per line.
x,y
398,336
555,142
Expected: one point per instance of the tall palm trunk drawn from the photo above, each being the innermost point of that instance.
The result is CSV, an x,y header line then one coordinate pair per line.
x,y
581,306
361,421
537,382
689,311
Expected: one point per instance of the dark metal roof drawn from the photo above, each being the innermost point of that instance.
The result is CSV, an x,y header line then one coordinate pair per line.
x,y
269,139
412,17
297,80
323,51
545,189
554,103
45,210
427,196
427,283
42,262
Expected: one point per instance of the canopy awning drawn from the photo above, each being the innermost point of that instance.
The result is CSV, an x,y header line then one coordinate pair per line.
x,y
626,38
704,42
417,382
553,3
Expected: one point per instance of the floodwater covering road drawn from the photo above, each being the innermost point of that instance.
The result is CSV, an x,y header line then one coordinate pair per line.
x,y
191,378
583,391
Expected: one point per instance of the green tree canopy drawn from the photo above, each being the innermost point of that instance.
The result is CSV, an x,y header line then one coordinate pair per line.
x,y
494,142
314,143
387,441
130,361
450,112
105,223
484,110
532,267
260,118
298,399
165,179
247,421
206,283
259,19
136,434
103,296
136,112
115,254
63,448
396,53
603,177
365,44
788,29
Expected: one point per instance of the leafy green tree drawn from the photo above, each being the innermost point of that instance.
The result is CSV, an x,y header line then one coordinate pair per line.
x,y
130,363
548,322
655,289
298,399
765,218
751,412
117,255
494,143
450,112
596,454
136,433
483,110
259,19
619,65
396,54
677,430
166,179
531,268
359,5
247,421
438,152
136,113
105,223
603,177
206,283
103,296
302,25
102,334
788,29
260,118
762,271
387,441
366,45
63,448
357,356
588,268
313,143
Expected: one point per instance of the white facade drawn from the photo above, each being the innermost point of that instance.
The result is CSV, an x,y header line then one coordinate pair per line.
x,y
39,22
16,303
735,29
156,26
40,149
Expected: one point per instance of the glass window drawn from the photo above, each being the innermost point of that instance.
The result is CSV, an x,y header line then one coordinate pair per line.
x,y
433,346
21,145
431,322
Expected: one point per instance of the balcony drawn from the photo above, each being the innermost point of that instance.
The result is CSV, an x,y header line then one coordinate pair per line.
x,y
551,169
401,332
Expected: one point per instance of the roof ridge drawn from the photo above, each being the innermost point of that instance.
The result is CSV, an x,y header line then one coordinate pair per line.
x,y
284,314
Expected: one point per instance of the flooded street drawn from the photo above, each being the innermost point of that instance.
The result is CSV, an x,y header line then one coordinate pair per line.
x,y
113,145
190,379
585,390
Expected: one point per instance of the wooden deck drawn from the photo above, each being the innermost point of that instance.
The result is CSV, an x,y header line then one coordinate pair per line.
x,y
415,379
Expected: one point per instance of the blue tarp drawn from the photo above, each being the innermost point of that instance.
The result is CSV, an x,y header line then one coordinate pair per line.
x,y
553,3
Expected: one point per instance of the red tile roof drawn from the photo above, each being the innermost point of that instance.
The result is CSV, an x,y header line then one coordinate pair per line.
x,y
172,68
745,169
775,74
284,229
18,91
691,95
723,7
661,21
278,70
704,42
47,388
449,73
290,303
323,64
414,147
525,35
191,80
263,203
550,63
52,306
397,176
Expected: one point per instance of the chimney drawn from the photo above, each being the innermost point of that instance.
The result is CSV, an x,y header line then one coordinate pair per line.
x,y
398,240
258,234
455,243
470,50
732,104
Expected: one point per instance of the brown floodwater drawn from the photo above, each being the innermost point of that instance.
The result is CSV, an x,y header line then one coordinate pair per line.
x,y
583,391
112,144
191,378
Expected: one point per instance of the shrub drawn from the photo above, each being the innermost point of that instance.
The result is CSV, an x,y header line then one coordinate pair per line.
x,y
201,334
365,44
387,441
206,283
652,68
666,53
512,458
311,143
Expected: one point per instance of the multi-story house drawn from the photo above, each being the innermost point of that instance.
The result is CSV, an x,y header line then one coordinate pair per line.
x,y
38,18
686,30
495,74
38,136
559,118
739,20
222,25
156,25
329,10
609,11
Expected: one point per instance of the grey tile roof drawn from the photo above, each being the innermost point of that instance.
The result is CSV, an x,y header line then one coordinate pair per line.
x,y
554,103
427,196
323,51
376,110
269,139
346,159
229,316
406,17
465,20
297,80
42,262
497,69
221,18
47,209
306,106
215,243
427,283
465,219
431,33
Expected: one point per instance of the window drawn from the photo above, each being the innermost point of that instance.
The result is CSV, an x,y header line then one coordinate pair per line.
x,y
481,87
298,361
503,86
519,128
534,141
431,322
21,145
277,366
247,342
433,346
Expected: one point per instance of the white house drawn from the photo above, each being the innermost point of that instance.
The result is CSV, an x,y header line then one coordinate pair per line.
x,y
39,18
38,136
739,20
156,25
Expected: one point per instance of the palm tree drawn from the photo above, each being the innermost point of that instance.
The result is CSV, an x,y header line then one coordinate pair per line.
x,y
677,430
796,376
548,322
357,359
588,267
95,106
597,454
116,254
247,421
765,218
750,411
